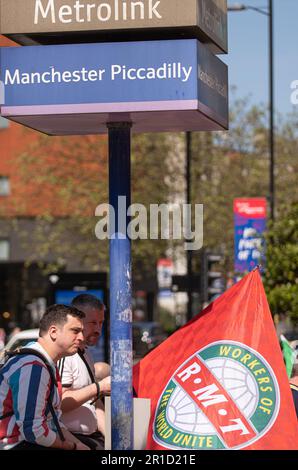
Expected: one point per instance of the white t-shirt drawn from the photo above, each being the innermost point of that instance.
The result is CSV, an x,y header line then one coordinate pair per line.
x,y
75,375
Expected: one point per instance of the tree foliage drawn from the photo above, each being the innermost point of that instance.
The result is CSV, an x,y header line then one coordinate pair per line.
x,y
66,179
281,276
236,164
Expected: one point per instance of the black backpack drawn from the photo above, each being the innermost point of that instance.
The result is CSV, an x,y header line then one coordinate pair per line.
x,y
34,352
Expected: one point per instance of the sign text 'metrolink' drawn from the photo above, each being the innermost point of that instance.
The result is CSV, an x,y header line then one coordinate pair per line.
x,y
118,10
30,22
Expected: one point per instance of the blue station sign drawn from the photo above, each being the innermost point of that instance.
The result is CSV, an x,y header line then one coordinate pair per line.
x,y
171,85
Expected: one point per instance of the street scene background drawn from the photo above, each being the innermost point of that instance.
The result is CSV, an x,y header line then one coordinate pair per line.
x,y
51,186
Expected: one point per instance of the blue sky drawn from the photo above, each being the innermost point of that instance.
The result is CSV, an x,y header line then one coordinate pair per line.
x,y
248,58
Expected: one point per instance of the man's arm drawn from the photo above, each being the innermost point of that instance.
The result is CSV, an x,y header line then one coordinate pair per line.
x,y
72,399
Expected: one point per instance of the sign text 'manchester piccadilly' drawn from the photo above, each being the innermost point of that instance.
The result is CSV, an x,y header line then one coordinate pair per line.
x,y
24,21
170,85
116,71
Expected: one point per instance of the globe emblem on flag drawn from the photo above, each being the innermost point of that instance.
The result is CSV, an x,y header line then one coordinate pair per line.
x,y
223,397
238,382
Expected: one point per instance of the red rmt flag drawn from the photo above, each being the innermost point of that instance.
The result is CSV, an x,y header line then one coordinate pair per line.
x,y
220,381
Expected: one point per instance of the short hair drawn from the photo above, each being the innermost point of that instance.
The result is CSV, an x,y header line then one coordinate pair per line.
x,y
87,300
57,315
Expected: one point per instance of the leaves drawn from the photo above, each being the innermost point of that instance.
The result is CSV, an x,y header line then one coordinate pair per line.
x,y
63,179
281,277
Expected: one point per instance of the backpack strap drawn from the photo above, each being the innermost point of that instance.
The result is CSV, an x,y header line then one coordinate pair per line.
x,y
60,365
82,356
91,375
34,352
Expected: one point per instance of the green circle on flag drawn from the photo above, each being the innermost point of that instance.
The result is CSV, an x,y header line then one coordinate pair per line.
x,y
234,404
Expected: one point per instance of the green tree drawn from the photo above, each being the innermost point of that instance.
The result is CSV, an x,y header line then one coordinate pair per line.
x,y
71,174
149,171
229,165
281,277
66,178
233,164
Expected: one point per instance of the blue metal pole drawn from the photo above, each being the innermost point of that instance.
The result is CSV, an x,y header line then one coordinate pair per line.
x,y
271,110
120,287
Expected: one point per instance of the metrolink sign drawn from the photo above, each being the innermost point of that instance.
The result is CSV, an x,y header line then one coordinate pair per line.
x,y
45,21
168,85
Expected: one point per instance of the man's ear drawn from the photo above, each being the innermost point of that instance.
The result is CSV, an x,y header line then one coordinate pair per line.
x,y
53,332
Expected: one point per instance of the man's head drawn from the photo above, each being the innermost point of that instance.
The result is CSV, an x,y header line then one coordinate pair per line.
x,y
61,330
94,311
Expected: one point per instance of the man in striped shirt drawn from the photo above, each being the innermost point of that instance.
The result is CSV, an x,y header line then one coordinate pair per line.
x,y
26,391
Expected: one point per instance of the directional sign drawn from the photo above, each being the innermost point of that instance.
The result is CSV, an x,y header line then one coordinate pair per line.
x,y
76,89
68,21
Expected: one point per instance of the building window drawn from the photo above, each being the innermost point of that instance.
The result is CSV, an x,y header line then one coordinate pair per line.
x,y
4,186
4,250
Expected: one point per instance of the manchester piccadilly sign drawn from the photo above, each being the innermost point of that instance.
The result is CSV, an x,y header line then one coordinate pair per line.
x,y
60,21
77,89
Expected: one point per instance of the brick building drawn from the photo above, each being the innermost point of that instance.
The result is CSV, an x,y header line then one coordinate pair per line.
x,y
22,200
